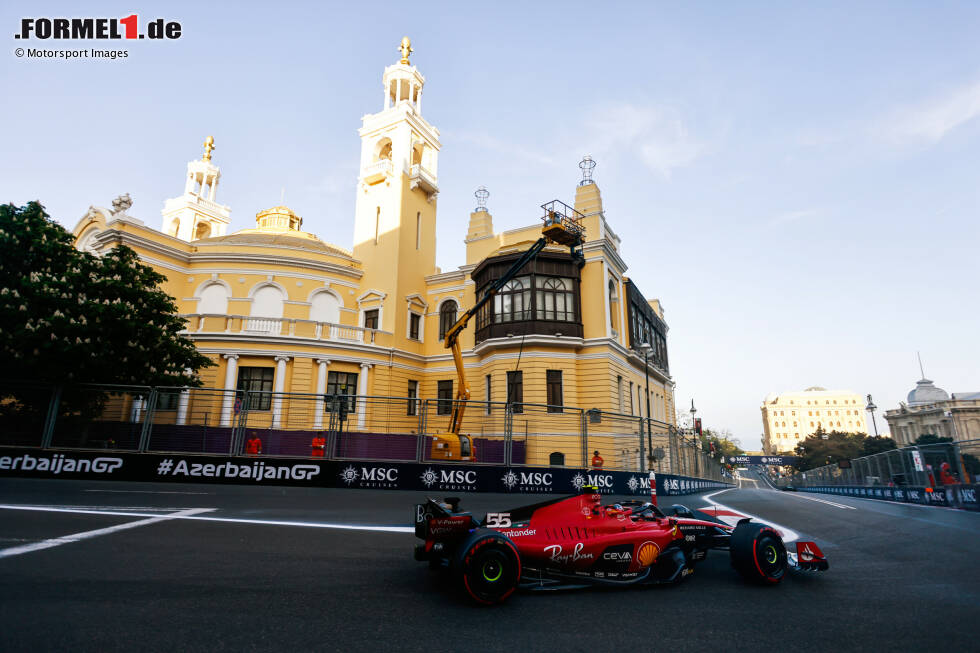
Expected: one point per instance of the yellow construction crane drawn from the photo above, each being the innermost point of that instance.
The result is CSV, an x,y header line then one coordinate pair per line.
x,y
562,225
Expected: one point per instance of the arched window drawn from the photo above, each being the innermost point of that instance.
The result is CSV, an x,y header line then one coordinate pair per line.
x,y
383,150
555,300
174,227
203,230
214,300
513,302
556,458
417,155
325,307
612,304
267,305
447,317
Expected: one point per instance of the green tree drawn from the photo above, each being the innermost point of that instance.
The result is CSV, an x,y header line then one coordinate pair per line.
x,y
823,448
878,444
71,317
724,445
931,438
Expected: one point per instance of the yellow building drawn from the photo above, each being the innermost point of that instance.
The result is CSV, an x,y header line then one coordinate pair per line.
x,y
279,309
789,417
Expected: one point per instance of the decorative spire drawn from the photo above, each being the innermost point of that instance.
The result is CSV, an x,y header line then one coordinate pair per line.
x,y
481,195
587,165
406,49
208,146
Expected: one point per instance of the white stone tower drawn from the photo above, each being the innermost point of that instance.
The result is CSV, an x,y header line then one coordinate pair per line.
x,y
395,211
196,214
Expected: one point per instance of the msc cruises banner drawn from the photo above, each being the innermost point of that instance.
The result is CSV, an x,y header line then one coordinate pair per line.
x,y
958,496
762,460
382,475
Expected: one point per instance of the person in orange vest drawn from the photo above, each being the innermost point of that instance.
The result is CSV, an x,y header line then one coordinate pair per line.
x,y
596,460
319,446
253,446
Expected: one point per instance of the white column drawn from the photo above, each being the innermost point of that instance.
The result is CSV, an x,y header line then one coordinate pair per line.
x,y
231,375
321,388
387,95
189,186
214,187
362,385
183,402
418,105
278,387
400,84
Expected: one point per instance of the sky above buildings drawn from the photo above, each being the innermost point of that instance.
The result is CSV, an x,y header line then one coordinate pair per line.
x,y
799,185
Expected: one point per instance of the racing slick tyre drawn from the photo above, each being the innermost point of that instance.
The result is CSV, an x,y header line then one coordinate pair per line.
x,y
487,567
758,553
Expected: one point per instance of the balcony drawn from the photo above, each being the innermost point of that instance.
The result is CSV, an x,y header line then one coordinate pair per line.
x,y
377,171
265,327
422,178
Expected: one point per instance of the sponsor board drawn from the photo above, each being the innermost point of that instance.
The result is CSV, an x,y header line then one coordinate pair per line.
x,y
354,474
956,496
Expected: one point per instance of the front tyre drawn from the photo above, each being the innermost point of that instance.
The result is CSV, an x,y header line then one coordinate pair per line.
x,y
758,553
488,567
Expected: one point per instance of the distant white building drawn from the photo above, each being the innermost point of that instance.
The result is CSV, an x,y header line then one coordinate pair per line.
x,y
790,417
931,410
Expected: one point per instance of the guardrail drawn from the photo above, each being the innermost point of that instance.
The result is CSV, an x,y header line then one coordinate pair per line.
x,y
925,465
182,420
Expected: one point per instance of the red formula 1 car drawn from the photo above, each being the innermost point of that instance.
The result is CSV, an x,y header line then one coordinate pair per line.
x,y
575,541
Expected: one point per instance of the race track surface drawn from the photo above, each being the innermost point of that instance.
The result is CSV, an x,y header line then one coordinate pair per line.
x,y
200,567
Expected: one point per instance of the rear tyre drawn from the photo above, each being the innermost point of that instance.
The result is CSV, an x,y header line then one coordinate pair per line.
x,y
488,567
758,553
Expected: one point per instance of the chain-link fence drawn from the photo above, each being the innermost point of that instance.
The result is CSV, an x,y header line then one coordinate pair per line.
x,y
926,465
240,422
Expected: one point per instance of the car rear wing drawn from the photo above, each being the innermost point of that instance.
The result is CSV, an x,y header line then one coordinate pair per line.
x,y
442,520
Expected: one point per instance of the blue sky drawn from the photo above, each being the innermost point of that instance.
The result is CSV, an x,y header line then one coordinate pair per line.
x,y
797,184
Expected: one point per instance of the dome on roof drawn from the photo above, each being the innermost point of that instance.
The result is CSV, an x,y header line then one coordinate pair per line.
x,y
926,393
815,388
771,397
295,239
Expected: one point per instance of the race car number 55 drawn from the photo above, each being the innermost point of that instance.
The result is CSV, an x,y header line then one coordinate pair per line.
x,y
498,520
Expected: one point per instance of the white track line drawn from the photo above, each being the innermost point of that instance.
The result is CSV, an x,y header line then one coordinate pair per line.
x,y
87,535
829,503
231,520
789,535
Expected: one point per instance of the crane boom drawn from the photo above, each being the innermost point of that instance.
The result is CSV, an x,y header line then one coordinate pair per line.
x,y
562,224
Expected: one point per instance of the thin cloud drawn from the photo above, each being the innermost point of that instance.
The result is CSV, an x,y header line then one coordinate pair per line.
x,y
657,135
494,144
930,121
792,216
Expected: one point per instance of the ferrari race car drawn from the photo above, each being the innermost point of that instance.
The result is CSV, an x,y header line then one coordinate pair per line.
x,y
574,542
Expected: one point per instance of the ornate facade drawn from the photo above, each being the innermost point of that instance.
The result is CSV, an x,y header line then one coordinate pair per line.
x,y
929,410
278,308
790,417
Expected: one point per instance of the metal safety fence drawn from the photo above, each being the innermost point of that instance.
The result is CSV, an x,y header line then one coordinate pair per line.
x,y
340,427
925,465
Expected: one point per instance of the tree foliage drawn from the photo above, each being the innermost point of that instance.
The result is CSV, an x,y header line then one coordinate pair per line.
x,y
826,447
724,445
71,317
877,444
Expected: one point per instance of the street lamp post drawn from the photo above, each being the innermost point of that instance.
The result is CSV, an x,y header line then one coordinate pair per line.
x,y
871,408
694,437
646,348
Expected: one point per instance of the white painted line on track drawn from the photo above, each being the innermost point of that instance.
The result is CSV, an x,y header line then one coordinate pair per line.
x,y
231,520
87,535
145,492
788,534
829,503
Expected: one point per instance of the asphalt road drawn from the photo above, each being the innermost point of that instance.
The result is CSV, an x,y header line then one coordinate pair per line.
x,y
902,578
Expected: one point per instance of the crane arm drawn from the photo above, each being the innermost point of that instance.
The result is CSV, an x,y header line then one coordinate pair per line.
x,y
452,335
